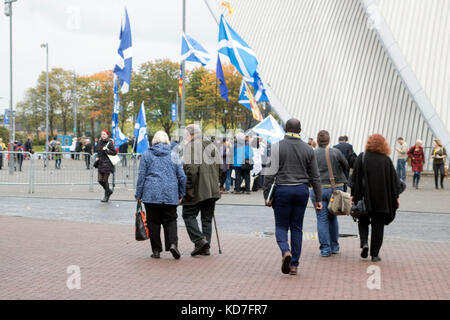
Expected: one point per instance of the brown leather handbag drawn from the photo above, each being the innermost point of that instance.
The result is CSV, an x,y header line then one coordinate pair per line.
x,y
340,202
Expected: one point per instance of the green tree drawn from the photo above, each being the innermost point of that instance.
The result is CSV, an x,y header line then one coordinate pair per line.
x,y
154,83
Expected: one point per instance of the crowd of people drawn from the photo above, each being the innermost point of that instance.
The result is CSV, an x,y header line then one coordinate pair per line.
x,y
290,172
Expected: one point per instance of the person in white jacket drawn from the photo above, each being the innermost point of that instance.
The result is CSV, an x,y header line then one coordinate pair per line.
x,y
259,148
72,147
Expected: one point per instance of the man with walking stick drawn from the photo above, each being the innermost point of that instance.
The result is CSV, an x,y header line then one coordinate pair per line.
x,y
201,163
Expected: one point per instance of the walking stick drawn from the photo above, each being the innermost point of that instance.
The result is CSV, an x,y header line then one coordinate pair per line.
x,y
217,234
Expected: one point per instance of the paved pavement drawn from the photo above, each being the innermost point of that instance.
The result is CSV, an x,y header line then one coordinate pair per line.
x,y
38,259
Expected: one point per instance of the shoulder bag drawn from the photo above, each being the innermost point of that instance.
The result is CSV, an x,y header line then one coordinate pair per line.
x,y
115,159
361,209
340,204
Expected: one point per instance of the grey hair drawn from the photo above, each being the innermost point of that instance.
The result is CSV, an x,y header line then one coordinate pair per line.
x,y
194,129
160,137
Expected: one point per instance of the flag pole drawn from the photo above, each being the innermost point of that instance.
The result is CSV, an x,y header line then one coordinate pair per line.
x,y
183,68
215,109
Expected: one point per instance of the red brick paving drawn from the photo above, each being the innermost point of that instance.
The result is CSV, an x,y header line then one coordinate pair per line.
x,y
35,254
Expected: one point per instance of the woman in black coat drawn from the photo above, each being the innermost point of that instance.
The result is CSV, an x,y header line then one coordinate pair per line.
x,y
381,192
105,167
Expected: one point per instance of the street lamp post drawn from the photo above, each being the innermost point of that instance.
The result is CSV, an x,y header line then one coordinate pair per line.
x,y
45,45
8,13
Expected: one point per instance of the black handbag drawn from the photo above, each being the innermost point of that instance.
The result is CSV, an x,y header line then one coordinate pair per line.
x,y
361,209
141,231
246,165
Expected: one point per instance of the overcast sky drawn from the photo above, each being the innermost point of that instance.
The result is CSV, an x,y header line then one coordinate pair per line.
x,y
83,36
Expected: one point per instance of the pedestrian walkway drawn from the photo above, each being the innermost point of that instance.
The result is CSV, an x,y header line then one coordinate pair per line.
x,y
35,255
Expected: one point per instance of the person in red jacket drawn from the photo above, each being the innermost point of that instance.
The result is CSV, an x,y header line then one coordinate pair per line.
x,y
417,161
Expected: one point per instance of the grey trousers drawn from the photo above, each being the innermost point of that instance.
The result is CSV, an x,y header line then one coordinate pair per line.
x,y
190,213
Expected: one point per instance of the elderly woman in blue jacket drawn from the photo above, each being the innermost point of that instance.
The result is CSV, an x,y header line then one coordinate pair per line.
x,y
161,187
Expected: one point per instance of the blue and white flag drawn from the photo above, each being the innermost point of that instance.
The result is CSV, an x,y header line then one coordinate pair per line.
x,y
270,130
119,138
140,131
115,115
239,52
6,119
191,50
124,63
221,77
243,97
260,91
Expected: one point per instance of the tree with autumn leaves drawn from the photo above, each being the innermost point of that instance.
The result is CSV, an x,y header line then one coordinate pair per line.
x,y
155,83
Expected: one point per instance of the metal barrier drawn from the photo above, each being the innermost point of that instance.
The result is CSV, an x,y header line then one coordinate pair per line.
x,y
21,170
62,168
125,172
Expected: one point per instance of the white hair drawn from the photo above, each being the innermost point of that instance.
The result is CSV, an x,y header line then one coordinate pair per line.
x,y
419,141
194,129
161,137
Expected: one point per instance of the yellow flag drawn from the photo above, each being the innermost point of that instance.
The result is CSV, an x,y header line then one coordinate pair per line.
x,y
228,6
255,110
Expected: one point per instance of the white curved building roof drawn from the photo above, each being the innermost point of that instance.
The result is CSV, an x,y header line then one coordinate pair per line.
x,y
327,66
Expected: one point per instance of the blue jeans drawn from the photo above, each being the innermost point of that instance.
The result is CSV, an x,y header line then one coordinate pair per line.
x,y
289,207
228,180
327,224
401,169
416,178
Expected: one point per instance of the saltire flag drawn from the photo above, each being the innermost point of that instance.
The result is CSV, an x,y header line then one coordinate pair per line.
x,y
260,91
239,52
247,100
270,128
124,63
228,6
6,119
243,97
119,138
140,132
180,82
191,50
223,85
115,115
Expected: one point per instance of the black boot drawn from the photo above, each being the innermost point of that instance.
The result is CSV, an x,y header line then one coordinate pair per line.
x,y
108,193
106,197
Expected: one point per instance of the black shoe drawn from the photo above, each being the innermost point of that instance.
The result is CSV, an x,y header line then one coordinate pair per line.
x,y
199,247
365,251
108,194
174,251
205,252
156,255
106,197
376,259
286,263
